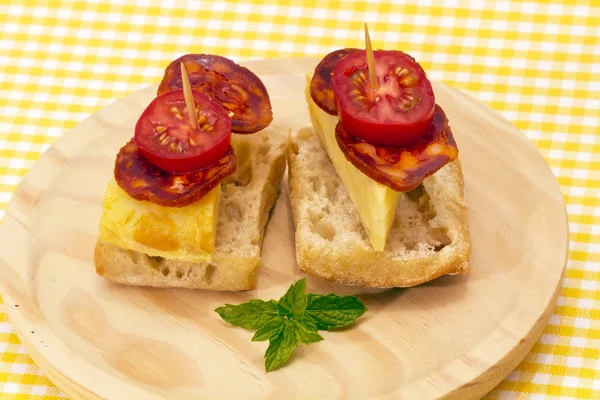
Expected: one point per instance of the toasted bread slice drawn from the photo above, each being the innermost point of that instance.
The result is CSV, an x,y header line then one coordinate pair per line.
x,y
246,200
428,238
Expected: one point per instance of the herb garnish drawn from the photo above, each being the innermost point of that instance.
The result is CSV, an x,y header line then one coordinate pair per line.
x,y
294,319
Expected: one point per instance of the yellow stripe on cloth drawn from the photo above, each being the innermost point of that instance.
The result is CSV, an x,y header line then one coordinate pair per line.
x,y
535,62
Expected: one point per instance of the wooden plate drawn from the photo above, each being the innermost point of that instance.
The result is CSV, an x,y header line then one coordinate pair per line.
x,y
456,337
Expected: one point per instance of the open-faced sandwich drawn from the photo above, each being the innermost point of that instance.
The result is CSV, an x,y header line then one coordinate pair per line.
x,y
189,200
377,192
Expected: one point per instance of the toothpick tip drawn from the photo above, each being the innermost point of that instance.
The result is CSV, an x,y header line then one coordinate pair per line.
x,y
189,97
370,60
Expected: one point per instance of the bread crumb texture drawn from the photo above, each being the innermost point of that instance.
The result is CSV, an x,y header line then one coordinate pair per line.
x,y
429,236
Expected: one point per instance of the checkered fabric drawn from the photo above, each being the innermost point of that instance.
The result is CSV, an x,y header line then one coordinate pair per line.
x,y
537,63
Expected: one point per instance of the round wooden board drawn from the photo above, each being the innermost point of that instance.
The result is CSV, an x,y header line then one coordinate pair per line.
x,y
456,337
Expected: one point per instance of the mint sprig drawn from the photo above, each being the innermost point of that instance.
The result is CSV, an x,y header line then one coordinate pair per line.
x,y
294,319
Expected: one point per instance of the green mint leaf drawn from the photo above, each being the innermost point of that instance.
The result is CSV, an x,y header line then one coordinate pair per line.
x,y
270,330
293,303
251,315
309,322
294,319
332,311
306,335
281,347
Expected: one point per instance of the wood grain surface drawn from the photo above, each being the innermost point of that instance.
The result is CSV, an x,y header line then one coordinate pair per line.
x,y
456,337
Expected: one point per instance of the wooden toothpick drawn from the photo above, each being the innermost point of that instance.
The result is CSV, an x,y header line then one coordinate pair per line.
x,y
370,60
189,97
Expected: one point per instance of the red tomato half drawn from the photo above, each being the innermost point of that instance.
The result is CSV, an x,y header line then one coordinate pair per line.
x,y
167,139
398,113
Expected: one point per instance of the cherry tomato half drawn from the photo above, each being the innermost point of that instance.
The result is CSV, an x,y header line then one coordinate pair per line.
x,y
398,113
234,87
167,139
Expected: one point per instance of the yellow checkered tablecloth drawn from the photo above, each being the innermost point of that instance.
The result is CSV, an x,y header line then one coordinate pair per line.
x,y
537,63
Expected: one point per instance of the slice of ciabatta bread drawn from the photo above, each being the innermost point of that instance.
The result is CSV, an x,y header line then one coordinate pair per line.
x,y
428,238
246,200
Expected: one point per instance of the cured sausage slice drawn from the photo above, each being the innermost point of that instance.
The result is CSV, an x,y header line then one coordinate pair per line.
x,y
236,88
321,85
142,180
402,168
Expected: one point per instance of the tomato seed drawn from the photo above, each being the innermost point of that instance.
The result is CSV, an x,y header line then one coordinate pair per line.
x,y
400,71
409,81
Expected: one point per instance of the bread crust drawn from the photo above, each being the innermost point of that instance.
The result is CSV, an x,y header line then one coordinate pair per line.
x,y
231,269
133,268
355,262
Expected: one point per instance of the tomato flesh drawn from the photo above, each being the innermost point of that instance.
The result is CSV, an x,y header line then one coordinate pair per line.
x,y
166,137
398,113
